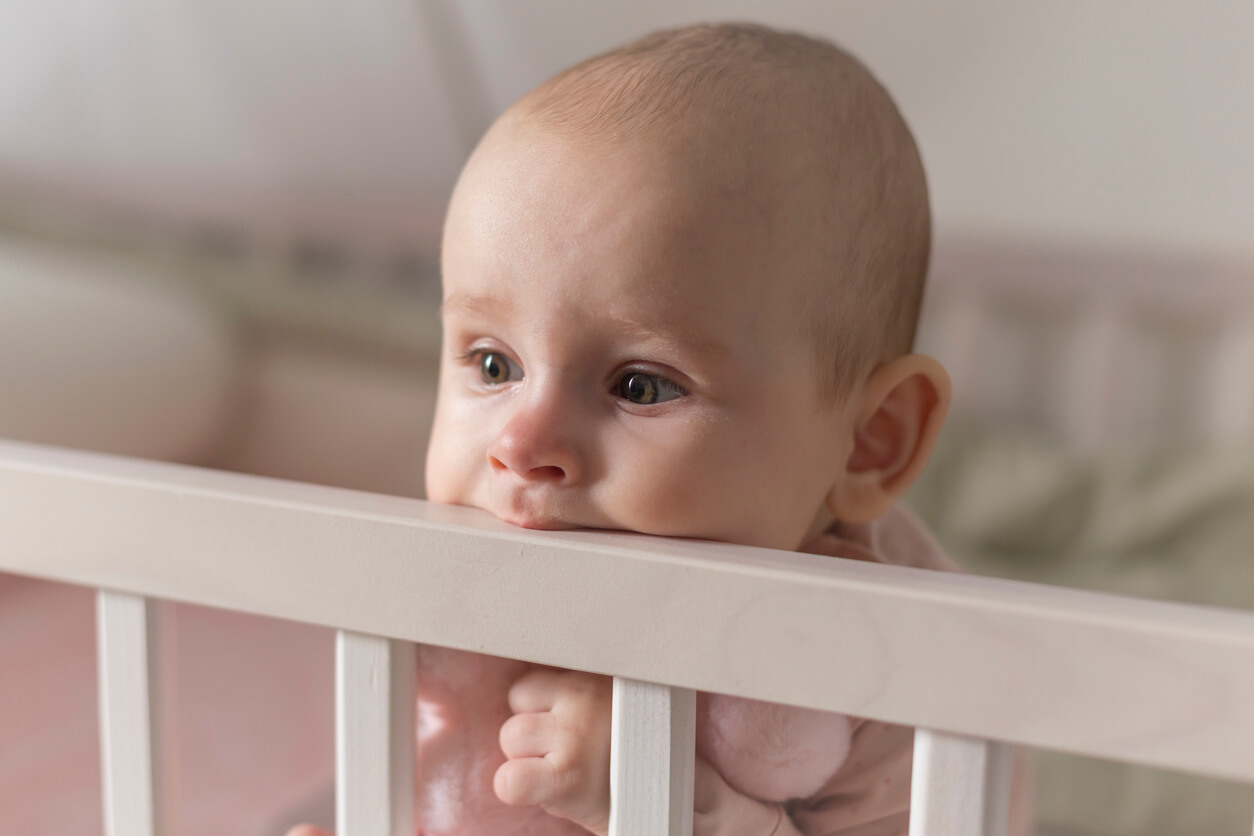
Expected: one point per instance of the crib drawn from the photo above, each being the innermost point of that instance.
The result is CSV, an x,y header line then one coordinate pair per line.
x,y
976,664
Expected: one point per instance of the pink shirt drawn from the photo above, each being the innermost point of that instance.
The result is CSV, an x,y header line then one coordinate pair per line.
x,y
462,705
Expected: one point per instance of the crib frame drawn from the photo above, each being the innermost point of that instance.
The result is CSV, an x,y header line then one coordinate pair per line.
x,y
974,663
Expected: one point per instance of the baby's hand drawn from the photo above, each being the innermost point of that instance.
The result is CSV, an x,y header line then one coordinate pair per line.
x,y
558,746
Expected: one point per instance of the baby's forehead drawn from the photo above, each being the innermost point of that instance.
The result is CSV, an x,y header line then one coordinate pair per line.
x,y
652,184
793,153
672,221
644,227
755,153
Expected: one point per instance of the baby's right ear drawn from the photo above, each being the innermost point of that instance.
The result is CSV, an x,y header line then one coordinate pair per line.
x,y
902,407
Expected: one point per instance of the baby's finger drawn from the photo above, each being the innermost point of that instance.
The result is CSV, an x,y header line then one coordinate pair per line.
x,y
526,781
535,690
531,735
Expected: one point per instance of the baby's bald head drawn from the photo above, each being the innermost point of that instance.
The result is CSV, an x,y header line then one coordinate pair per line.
x,y
801,130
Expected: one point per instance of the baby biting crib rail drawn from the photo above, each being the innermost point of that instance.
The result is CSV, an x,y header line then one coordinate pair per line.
x,y
974,663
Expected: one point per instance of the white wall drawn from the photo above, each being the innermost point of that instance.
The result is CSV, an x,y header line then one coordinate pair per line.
x,y
1123,121
306,113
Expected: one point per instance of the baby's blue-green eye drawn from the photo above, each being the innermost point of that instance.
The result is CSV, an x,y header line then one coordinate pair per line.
x,y
496,369
641,388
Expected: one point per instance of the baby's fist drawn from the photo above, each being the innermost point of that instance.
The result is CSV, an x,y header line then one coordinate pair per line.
x,y
558,746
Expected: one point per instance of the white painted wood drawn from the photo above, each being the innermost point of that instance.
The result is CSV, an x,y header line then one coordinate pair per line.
x,y
1050,275
129,704
653,747
1155,683
1228,393
960,786
1087,378
1157,296
374,736
956,333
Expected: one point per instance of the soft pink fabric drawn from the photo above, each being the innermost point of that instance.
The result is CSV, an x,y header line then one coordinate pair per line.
x,y
768,751
462,703
248,703
838,776
870,794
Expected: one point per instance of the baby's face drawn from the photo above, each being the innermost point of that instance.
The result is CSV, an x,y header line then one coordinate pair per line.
x,y
625,349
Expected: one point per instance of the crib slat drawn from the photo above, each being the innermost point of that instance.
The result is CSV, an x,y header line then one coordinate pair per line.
x,y
1087,377
960,786
1227,401
374,735
652,751
129,704
956,333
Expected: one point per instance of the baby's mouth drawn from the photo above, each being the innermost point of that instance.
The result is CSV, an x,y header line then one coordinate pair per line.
x,y
522,510
536,523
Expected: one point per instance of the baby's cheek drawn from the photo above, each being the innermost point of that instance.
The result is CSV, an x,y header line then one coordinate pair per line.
x,y
451,461
439,477
684,493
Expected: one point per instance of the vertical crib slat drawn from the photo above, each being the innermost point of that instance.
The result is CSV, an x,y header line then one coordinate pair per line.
x,y
652,751
374,736
1227,401
958,332
960,786
129,704
1088,375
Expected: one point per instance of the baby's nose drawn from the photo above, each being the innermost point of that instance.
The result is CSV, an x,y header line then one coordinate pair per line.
x,y
536,445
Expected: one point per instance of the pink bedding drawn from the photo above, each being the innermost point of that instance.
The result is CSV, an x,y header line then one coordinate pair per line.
x,y
249,701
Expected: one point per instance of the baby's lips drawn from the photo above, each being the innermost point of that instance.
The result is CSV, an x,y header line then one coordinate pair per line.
x,y
533,522
518,511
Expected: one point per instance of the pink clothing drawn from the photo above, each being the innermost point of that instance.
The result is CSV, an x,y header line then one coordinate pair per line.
x,y
832,775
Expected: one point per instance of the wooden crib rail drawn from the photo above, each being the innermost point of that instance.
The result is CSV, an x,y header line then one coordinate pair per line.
x,y
1147,682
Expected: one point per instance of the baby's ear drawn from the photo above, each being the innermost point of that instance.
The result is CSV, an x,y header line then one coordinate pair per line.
x,y
902,406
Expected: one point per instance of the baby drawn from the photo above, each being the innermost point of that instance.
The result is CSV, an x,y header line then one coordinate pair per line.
x,y
681,282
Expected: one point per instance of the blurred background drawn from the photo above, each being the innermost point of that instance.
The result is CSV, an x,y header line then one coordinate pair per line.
x,y
219,229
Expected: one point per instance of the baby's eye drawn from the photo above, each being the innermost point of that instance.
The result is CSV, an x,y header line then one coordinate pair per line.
x,y
496,369
641,388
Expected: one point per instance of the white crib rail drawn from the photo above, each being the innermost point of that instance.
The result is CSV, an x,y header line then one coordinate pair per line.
x,y
1142,681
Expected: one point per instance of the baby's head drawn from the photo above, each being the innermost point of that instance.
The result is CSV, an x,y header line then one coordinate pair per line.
x,y
681,283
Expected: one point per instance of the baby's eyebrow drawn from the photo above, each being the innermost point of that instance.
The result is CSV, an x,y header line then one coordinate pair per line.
x,y
687,338
633,327
467,303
